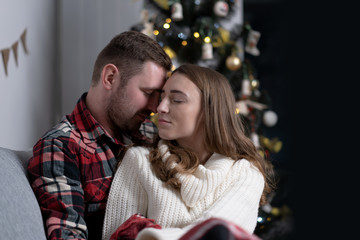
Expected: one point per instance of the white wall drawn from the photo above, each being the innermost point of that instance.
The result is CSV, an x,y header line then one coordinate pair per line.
x,y
26,92
63,38
86,26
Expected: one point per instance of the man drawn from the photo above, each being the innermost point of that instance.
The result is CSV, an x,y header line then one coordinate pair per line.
x,y
73,163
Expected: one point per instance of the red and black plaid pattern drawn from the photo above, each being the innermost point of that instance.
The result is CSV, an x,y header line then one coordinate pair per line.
x,y
71,172
131,227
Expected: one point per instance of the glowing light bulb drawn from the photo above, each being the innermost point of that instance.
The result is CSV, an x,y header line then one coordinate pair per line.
x,y
207,39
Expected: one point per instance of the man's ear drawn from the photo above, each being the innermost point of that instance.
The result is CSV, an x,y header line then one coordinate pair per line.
x,y
109,75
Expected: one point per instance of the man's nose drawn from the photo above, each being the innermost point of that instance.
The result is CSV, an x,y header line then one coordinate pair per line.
x,y
153,103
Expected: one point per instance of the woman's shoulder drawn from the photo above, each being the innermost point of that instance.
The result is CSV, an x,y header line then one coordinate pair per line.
x,y
219,159
136,155
245,166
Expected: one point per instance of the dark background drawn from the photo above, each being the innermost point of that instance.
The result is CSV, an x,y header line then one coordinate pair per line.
x,y
268,17
309,64
271,19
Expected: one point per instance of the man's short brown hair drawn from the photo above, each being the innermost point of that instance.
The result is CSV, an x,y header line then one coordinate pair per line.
x,y
128,51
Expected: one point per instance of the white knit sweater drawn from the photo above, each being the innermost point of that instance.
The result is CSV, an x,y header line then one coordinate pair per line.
x,y
221,188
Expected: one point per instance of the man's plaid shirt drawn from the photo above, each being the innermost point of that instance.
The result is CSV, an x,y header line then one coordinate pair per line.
x,y
71,172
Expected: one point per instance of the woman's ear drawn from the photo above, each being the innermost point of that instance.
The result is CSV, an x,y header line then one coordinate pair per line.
x,y
109,75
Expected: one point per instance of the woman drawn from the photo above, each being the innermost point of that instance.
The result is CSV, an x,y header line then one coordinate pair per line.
x,y
202,166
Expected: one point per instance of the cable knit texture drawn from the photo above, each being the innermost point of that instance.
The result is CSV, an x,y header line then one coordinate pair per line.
x,y
221,188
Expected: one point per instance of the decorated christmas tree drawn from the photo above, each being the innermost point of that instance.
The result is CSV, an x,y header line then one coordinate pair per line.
x,y
212,33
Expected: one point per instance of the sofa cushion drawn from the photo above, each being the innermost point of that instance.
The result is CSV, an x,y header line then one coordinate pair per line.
x,y
20,216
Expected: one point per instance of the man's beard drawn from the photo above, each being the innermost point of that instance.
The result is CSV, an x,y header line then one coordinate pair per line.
x,y
121,115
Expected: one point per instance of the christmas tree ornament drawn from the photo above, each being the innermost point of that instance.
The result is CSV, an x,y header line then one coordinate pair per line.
x,y
177,11
270,118
233,63
251,42
221,8
261,152
207,51
254,84
245,88
275,211
222,38
164,4
146,26
149,29
274,145
242,107
255,139
256,105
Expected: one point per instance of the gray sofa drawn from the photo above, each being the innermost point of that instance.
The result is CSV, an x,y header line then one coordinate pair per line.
x,y
20,216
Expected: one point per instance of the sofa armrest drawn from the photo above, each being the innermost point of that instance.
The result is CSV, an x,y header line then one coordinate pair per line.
x,y
20,216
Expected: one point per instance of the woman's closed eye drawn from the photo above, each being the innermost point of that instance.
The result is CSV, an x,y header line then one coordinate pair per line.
x,y
177,100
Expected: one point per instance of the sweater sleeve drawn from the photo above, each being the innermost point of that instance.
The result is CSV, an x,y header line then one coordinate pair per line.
x,y
127,196
239,204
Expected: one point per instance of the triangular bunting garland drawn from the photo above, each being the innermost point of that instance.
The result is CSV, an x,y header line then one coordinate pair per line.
x,y
14,47
23,41
5,56
15,50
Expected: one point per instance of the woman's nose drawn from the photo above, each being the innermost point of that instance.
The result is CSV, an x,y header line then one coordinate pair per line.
x,y
163,106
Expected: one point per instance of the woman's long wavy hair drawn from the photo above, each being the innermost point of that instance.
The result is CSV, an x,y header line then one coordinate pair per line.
x,y
224,131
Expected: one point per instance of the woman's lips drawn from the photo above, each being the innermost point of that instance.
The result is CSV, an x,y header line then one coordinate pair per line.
x,y
163,121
